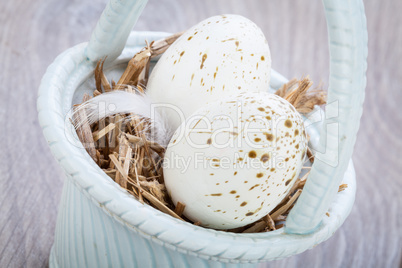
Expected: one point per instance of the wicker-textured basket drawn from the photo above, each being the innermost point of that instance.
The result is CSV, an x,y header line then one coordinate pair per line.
x,y
101,225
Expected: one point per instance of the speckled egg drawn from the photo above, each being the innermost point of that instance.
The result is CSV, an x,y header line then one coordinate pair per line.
x,y
218,57
234,160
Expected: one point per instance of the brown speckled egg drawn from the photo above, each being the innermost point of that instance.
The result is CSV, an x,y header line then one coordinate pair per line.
x,y
218,57
234,160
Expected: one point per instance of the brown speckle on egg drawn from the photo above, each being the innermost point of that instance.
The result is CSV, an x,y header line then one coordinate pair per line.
x,y
243,204
259,175
253,187
219,194
209,141
288,123
264,158
269,136
204,57
249,213
232,192
252,154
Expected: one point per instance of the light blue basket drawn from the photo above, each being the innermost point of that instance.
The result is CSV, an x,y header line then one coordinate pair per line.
x,y
101,225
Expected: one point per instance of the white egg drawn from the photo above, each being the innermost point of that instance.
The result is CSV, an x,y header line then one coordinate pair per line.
x,y
218,57
234,160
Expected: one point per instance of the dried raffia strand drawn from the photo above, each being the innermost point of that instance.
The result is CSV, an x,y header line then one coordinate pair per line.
x,y
147,150
99,134
257,227
117,165
137,71
126,165
98,80
279,226
162,207
285,208
299,183
179,208
342,187
96,93
112,137
142,78
142,142
270,222
299,94
295,96
106,86
134,68
310,155
123,147
160,46
280,218
84,132
100,77
140,191
156,189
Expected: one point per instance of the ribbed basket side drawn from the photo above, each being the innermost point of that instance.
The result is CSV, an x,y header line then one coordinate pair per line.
x,y
86,236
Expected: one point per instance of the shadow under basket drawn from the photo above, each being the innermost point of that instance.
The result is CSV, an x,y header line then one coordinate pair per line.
x,y
101,225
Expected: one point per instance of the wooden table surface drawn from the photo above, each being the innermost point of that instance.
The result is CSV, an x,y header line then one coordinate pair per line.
x,y
33,33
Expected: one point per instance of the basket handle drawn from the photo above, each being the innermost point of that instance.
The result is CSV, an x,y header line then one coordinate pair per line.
x,y
347,31
113,28
348,54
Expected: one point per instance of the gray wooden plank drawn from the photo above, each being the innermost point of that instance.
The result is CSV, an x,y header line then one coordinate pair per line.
x,y
32,33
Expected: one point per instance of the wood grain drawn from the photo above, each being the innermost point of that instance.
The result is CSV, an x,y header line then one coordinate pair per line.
x,y
33,33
